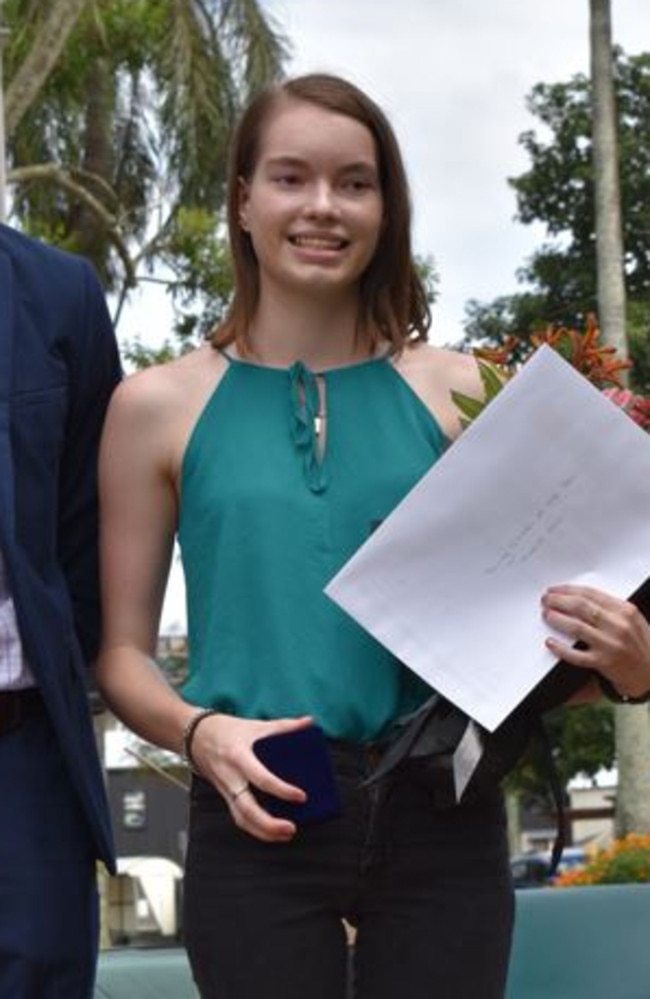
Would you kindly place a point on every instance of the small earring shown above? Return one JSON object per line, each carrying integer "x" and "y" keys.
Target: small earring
{"x": 243, "y": 223}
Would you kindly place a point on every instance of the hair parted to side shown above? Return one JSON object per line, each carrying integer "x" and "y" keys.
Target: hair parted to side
{"x": 393, "y": 302}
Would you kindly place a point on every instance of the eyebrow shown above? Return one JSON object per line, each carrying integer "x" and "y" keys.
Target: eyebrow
{"x": 361, "y": 166}
{"x": 283, "y": 162}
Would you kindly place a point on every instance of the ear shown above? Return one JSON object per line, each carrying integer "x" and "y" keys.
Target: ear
{"x": 243, "y": 194}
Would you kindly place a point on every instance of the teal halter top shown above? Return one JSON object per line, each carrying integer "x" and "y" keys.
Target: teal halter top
{"x": 267, "y": 520}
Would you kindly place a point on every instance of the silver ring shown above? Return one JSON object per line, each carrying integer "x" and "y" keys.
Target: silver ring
{"x": 240, "y": 790}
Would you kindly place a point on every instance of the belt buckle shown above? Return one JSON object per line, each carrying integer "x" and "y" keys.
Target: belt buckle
{"x": 10, "y": 713}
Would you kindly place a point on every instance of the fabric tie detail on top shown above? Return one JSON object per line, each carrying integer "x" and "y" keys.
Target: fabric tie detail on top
{"x": 305, "y": 411}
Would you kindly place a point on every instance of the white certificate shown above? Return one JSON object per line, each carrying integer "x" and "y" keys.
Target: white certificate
{"x": 551, "y": 484}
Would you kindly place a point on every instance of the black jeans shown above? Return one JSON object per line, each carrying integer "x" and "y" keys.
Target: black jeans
{"x": 428, "y": 890}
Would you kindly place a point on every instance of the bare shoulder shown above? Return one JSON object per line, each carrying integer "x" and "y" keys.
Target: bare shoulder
{"x": 159, "y": 406}
{"x": 434, "y": 373}
{"x": 165, "y": 390}
{"x": 451, "y": 368}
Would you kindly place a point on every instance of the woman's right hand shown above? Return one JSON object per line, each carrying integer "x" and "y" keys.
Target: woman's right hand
{"x": 222, "y": 751}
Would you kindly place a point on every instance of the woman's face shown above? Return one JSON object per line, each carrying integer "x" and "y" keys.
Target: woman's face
{"x": 313, "y": 207}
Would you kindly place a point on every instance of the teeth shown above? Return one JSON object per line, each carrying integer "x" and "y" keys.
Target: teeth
{"x": 318, "y": 242}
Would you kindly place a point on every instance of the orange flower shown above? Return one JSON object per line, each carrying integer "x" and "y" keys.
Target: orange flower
{"x": 626, "y": 860}
{"x": 599, "y": 363}
{"x": 499, "y": 355}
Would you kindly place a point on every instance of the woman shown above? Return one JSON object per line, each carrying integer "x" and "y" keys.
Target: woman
{"x": 274, "y": 450}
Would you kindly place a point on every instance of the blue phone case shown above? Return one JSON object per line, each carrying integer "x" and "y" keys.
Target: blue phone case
{"x": 300, "y": 758}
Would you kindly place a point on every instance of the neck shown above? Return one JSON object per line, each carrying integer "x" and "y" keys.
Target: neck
{"x": 321, "y": 333}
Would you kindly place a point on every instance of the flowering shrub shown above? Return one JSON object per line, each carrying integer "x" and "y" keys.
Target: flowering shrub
{"x": 599, "y": 363}
{"x": 581, "y": 348}
{"x": 626, "y": 860}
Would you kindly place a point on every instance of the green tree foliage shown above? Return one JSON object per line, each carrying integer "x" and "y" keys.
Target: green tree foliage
{"x": 558, "y": 191}
{"x": 583, "y": 743}
{"x": 119, "y": 150}
{"x": 195, "y": 258}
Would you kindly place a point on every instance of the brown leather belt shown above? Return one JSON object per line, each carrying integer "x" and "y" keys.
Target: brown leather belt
{"x": 16, "y": 706}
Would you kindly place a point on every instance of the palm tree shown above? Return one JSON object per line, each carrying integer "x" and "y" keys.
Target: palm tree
{"x": 117, "y": 125}
{"x": 632, "y": 723}
{"x": 56, "y": 22}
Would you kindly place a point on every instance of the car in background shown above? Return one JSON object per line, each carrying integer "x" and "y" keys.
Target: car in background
{"x": 532, "y": 870}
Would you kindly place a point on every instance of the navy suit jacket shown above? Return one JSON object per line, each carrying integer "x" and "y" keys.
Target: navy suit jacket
{"x": 58, "y": 367}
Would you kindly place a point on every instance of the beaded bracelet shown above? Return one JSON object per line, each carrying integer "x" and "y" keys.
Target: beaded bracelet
{"x": 612, "y": 694}
{"x": 188, "y": 737}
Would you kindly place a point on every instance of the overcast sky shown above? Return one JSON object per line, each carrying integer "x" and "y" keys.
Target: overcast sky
{"x": 453, "y": 76}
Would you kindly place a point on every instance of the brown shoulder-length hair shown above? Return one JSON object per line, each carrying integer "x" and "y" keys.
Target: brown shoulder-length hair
{"x": 393, "y": 301}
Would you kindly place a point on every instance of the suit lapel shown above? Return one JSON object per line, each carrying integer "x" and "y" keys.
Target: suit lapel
{"x": 6, "y": 372}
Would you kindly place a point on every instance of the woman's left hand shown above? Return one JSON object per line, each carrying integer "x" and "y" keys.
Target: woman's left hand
{"x": 615, "y": 633}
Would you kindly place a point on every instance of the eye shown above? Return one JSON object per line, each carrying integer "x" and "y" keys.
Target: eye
{"x": 358, "y": 185}
{"x": 286, "y": 180}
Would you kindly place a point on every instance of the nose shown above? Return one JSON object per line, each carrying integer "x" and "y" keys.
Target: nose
{"x": 322, "y": 199}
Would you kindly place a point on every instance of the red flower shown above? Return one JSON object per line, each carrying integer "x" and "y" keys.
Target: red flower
{"x": 636, "y": 406}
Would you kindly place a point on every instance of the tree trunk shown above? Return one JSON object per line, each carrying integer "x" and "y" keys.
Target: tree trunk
{"x": 513, "y": 812}
{"x": 632, "y": 723}
{"x": 91, "y": 238}
{"x": 633, "y": 761}
{"x": 4, "y": 35}
{"x": 609, "y": 238}
{"x": 40, "y": 60}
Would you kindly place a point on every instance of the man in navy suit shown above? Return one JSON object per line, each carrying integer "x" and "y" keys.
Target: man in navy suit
{"x": 58, "y": 367}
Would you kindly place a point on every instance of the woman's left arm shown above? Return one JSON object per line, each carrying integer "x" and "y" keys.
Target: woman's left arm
{"x": 613, "y": 638}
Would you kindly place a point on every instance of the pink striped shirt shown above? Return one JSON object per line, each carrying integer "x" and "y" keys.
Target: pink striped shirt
{"x": 14, "y": 669}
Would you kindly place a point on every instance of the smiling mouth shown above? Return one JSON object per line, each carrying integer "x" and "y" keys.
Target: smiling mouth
{"x": 318, "y": 242}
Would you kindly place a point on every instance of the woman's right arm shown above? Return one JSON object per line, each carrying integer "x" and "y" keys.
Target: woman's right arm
{"x": 138, "y": 521}
{"x": 140, "y": 457}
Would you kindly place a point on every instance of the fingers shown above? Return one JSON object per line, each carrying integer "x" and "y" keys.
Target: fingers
{"x": 580, "y": 614}
{"x": 585, "y": 614}
{"x": 612, "y": 635}
{"x": 233, "y": 795}
{"x": 265, "y": 780}
{"x": 251, "y": 817}
{"x": 223, "y": 750}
